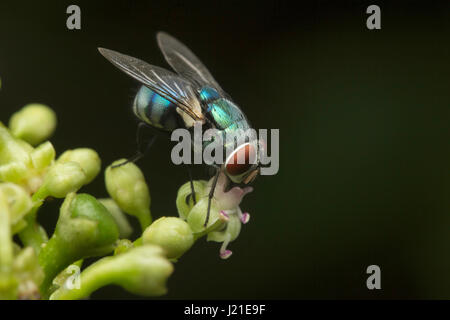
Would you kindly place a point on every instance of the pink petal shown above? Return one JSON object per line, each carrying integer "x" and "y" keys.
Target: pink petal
{"x": 226, "y": 254}
{"x": 224, "y": 216}
{"x": 245, "y": 217}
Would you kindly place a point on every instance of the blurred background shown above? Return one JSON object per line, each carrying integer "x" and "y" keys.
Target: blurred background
{"x": 364, "y": 133}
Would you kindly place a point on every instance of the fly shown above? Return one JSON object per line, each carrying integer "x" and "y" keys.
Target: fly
{"x": 170, "y": 100}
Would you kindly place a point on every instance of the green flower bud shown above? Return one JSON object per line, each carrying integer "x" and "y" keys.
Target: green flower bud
{"x": 170, "y": 233}
{"x": 86, "y": 211}
{"x": 33, "y": 123}
{"x": 43, "y": 155}
{"x": 185, "y": 201}
{"x": 21, "y": 164}
{"x": 125, "y": 228}
{"x": 87, "y": 158}
{"x": 224, "y": 224}
{"x": 127, "y": 186}
{"x": 61, "y": 179}
{"x": 84, "y": 229}
{"x": 142, "y": 270}
{"x": 13, "y": 172}
{"x": 11, "y": 150}
{"x": 197, "y": 216}
{"x": 18, "y": 200}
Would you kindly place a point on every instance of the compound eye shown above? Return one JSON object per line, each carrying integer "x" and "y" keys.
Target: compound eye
{"x": 241, "y": 160}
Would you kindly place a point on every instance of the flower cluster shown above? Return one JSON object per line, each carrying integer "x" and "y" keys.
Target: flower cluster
{"x": 226, "y": 217}
{"x": 41, "y": 265}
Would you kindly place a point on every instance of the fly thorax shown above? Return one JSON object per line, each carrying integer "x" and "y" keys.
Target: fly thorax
{"x": 208, "y": 94}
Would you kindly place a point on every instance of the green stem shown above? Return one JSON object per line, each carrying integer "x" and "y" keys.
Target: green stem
{"x": 137, "y": 242}
{"x": 33, "y": 234}
{"x": 53, "y": 258}
{"x": 145, "y": 219}
{"x": 97, "y": 275}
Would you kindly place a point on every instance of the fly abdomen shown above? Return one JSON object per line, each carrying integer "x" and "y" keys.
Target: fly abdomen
{"x": 155, "y": 110}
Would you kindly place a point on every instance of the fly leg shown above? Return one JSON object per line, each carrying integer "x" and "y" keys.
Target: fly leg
{"x": 192, "y": 194}
{"x": 139, "y": 141}
{"x": 211, "y": 194}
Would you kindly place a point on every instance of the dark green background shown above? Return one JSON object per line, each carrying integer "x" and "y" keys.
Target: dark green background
{"x": 364, "y": 130}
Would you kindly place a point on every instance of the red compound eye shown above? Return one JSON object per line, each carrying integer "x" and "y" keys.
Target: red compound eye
{"x": 241, "y": 160}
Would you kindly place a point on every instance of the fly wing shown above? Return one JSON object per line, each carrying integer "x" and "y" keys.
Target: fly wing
{"x": 184, "y": 61}
{"x": 167, "y": 84}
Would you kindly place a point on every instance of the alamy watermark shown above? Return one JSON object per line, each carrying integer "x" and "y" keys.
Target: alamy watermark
{"x": 374, "y": 280}
{"x": 73, "y": 281}
{"x": 219, "y": 147}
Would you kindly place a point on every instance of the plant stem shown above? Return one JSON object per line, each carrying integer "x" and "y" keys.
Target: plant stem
{"x": 53, "y": 258}
{"x": 145, "y": 219}
{"x": 92, "y": 278}
{"x": 33, "y": 234}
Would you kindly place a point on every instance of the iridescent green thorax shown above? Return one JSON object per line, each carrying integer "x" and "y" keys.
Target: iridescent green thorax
{"x": 225, "y": 114}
